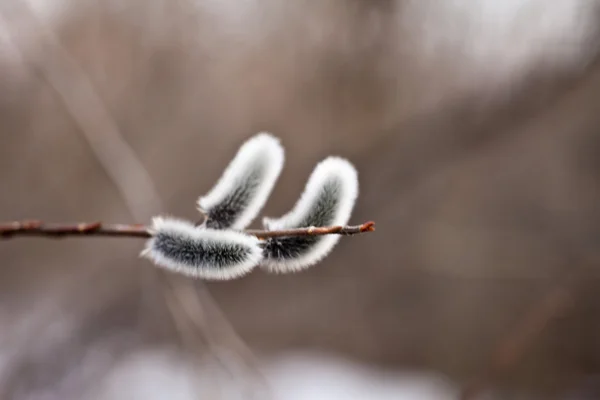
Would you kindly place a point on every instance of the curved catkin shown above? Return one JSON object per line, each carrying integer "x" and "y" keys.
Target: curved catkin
{"x": 328, "y": 199}
{"x": 245, "y": 186}
{"x": 203, "y": 253}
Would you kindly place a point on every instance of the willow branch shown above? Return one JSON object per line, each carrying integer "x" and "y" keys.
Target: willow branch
{"x": 11, "y": 229}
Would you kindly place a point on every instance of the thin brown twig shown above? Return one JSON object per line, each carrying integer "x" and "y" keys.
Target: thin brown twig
{"x": 11, "y": 229}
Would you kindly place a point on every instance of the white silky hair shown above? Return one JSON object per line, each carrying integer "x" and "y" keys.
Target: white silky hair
{"x": 218, "y": 262}
{"x": 262, "y": 151}
{"x": 332, "y": 170}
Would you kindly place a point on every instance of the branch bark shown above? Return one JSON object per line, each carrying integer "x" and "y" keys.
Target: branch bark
{"x": 12, "y": 229}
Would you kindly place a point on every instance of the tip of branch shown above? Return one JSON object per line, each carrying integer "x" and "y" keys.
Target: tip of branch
{"x": 368, "y": 227}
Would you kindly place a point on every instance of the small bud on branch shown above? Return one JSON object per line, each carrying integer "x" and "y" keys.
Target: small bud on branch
{"x": 328, "y": 199}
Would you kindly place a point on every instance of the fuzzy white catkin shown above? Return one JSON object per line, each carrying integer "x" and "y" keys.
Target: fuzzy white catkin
{"x": 328, "y": 199}
{"x": 210, "y": 254}
{"x": 246, "y": 184}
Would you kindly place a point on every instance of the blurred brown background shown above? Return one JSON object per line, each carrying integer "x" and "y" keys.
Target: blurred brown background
{"x": 474, "y": 127}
